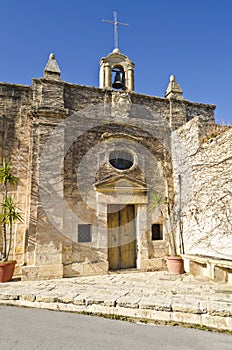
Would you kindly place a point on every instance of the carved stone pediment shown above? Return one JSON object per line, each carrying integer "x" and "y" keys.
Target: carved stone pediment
{"x": 121, "y": 184}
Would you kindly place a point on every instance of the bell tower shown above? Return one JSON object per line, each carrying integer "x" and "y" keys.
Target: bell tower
{"x": 117, "y": 72}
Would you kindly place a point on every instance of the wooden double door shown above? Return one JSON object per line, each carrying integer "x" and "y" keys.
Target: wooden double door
{"x": 121, "y": 236}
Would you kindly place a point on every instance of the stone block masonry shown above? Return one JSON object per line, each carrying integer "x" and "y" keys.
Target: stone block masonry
{"x": 205, "y": 168}
{"x": 60, "y": 137}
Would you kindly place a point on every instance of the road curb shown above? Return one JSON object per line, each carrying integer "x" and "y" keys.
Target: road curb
{"x": 211, "y": 318}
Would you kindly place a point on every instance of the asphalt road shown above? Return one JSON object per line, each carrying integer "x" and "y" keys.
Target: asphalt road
{"x": 48, "y": 330}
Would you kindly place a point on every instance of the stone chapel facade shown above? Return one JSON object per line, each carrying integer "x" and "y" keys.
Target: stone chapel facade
{"x": 89, "y": 161}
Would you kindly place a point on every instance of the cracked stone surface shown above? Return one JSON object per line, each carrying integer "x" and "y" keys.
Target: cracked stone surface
{"x": 151, "y": 295}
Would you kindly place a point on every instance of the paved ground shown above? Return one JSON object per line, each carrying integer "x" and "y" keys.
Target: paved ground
{"x": 143, "y": 295}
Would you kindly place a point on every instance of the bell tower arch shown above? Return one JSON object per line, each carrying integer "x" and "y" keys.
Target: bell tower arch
{"x": 117, "y": 72}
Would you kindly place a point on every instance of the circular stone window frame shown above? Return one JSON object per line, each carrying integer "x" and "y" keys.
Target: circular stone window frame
{"x": 128, "y": 151}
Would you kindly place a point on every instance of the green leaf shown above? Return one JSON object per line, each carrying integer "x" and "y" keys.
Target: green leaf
{"x": 5, "y": 174}
{"x": 156, "y": 200}
{"x": 10, "y": 212}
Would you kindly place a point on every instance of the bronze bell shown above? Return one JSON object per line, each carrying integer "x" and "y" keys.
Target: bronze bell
{"x": 118, "y": 82}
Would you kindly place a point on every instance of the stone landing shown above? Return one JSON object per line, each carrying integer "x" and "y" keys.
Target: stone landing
{"x": 149, "y": 296}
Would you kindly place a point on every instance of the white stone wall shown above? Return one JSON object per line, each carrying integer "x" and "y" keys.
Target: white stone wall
{"x": 204, "y": 173}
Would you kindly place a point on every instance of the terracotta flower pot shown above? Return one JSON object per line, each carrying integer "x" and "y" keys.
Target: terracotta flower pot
{"x": 175, "y": 264}
{"x": 7, "y": 270}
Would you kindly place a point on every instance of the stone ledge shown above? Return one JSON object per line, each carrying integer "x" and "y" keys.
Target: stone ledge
{"x": 217, "y": 269}
{"x": 213, "y": 317}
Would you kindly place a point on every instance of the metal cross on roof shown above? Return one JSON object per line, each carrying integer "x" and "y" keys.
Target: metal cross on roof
{"x": 116, "y": 24}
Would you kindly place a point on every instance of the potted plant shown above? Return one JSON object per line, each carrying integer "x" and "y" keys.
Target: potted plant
{"x": 9, "y": 214}
{"x": 164, "y": 204}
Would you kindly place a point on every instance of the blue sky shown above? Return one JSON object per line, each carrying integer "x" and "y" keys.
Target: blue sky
{"x": 190, "y": 39}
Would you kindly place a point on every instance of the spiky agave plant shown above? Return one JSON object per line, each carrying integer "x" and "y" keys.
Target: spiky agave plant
{"x": 9, "y": 210}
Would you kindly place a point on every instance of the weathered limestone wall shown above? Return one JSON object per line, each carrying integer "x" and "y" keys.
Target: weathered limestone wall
{"x": 205, "y": 170}
{"x": 88, "y": 116}
{"x": 15, "y": 144}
